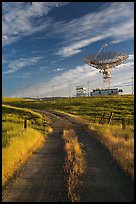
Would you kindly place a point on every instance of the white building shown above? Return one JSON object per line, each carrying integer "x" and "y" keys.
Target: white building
{"x": 80, "y": 91}
{"x": 103, "y": 92}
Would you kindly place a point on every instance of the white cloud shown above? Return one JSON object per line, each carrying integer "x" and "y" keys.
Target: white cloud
{"x": 58, "y": 69}
{"x": 18, "y": 64}
{"x": 22, "y": 76}
{"x": 115, "y": 21}
{"x": 80, "y": 75}
{"x": 17, "y": 19}
{"x": 76, "y": 47}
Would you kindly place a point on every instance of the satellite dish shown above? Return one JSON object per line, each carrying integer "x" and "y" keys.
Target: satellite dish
{"x": 105, "y": 61}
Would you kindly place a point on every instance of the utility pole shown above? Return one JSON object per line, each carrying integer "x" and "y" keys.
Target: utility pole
{"x": 69, "y": 88}
{"x": 37, "y": 92}
{"x": 53, "y": 91}
{"x": 88, "y": 87}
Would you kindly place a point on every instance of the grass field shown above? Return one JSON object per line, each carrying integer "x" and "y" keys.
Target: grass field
{"x": 120, "y": 142}
{"x": 19, "y": 143}
{"x": 91, "y": 108}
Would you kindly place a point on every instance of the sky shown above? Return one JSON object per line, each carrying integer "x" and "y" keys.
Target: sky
{"x": 44, "y": 43}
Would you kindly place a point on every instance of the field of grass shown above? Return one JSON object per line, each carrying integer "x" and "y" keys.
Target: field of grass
{"x": 18, "y": 143}
{"x": 119, "y": 142}
{"x": 92, "y": 108}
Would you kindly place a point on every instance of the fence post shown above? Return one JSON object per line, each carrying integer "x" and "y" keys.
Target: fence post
{"x": 128, "y": 121}
{"x": 102, "y": 118}
{"x": 25, "y": 123}
{"x": 44, "y": 121}
{"x": 123, "y": 124}
{"x": 110, "y": 117}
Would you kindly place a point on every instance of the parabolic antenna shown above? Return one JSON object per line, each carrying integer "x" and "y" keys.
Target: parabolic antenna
{"x": 105, "y": 61}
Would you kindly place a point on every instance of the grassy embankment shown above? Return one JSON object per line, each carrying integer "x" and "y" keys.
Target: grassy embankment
{"x": 120, "y": 142}
{"x": 18, "y": 143}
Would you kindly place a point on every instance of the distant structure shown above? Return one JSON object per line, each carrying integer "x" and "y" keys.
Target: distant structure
{"x": 103, "y": 92}
{"x": 80, "y": 91}
{"x": 104, "y": 62}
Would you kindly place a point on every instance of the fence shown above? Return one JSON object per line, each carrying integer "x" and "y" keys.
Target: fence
{"x": 103, "y": 119}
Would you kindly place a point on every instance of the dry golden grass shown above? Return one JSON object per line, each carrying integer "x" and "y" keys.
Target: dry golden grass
{"x": 120, "y": 143}
{"x": 74, "y": 164}
{"x": 18, "y": 143}
{"x": 18, "y": 151}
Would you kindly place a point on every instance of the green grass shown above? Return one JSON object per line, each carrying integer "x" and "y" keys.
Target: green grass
{"x": 16, "y": 115}
{"x": 19, "y": 143}
{"x": 8, "y": 100}
{"x": 91, "y": 108}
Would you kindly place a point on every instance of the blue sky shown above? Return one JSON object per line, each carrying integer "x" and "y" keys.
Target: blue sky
{"x": 43, "y": 44}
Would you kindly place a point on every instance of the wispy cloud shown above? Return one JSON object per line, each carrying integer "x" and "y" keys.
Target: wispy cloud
{"x": 75, "y": 48}
{"x": 80, "y": 75}
{"x": 18, "y": 19}
{"x": 22, "y": 76}
{"x": 115, "y": 20}
{"x": 18, "y": 64}
{"x": 58, "y": 69}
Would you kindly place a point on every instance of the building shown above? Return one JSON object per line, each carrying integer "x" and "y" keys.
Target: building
{"x": 80, "y": 91}
{"x": 103, "y": 92}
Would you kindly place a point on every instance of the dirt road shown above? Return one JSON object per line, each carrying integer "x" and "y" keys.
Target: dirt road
{"x": 42, "y": 179}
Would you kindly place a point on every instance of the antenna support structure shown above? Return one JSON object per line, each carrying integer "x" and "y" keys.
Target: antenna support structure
{"x": 104, "y": 62}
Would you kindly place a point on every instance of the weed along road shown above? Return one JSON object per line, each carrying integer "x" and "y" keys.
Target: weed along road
{"x": 71, "y": 166}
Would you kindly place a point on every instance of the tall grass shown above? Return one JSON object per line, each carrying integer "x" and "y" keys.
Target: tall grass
{"x": 74, "y": 164}
{"x": 20, "y": 148}
{"x": 17, "y": 115}
{"x": 120, "y": 143}
{"x": 18, "y": 143}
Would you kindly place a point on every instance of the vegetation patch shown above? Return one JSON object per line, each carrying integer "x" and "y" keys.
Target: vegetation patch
{"x": 91, "y": 107}
{"x": 19, "y": 149}
{"x": 18, "y": 143}
{"x": 90, "y": 110}
{"x": 120, "y": 143}
{"x": 74, "y": 164}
